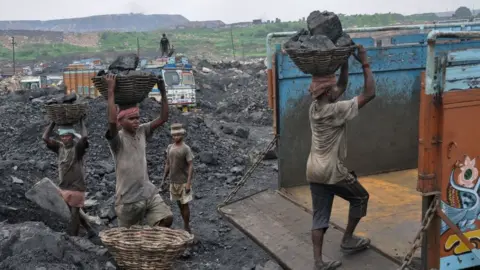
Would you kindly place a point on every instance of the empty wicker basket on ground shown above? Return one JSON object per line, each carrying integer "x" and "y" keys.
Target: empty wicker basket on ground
{"x": 145, "y": 248}
{"x": 130, "y": 89}
{"x": 66, "y": 114}
{"x": 320, "y": 63}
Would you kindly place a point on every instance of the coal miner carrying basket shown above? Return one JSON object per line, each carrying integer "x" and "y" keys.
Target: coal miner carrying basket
{"x": 132, "y": 86}
{"x": 323, "y": 48}
{"x": 144, "y": 247}
{"x": 66, "y": 111}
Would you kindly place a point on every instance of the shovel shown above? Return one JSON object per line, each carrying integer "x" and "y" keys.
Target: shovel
{"x": 45, "y": 194}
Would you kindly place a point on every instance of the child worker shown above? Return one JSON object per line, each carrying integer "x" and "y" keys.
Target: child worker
{"x": 179, "y": 165}
{"x": 71, "y": 171}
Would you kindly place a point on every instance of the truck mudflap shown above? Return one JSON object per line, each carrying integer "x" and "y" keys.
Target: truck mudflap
{"x": 282, "y": 228}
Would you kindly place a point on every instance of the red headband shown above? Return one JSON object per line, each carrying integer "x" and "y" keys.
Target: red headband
{"x": 127, "y": 113}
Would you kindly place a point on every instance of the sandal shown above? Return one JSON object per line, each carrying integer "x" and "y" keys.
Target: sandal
{"x": 331, "y": 265}
{"x": 356, "y": 244}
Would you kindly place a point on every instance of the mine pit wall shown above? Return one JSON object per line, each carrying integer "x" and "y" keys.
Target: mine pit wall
{"x": 382, "y": 138}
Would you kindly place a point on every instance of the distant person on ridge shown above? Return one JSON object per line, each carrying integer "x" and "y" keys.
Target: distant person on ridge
{"x": 136, "y": 197}
{"x": 326, "y": 172}
{"x": 71, "y": 171}
{"x": 164, "y": 45}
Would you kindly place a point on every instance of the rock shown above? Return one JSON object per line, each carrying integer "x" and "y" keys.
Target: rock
{"x": 344, "y": 41}
{"x": 231, "y": 180}
{"x": 108, "y": 209}
{"x": 256, "y": 116}
{"x": 106, "y": 167}
{"x": 239, "y": 161}
{"x": 227, "y": 130}
{"x": 46, "y": 195}
{"x": 325, "y": 23}
{"x": 271, "y": 154}
{"x": 110, "y": 266}
{"x": 242, "y": 132}
{"x": 42, "y": 165}
{"x": 90, "y": 203}
{"x": 237, "y": 170}
{"x": 4, "y": 164}
{"x": 250, "y": 266}
{"x": 16, "y": 180}
{"x": 208, "y": 158}
{"x": 45, "y": 249}
{"x": 275, "y": 167}
{"x": 206, "y": 70}
{"x": 125, "y": 62}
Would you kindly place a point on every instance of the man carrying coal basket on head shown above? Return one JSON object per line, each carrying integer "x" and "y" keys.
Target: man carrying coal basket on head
{"x": 326, "y": 172}
{"x": 136, "y": 197}
{"x": 71, "y": 171}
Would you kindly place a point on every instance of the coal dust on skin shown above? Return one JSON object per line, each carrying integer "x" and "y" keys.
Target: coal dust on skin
{"x": 221, "y": 246}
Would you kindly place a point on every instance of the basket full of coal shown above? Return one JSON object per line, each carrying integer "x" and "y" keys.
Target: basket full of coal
{"x": 132, "y": 86}
{"x": 323, "y": 48}
{"x": 67, "y": 110}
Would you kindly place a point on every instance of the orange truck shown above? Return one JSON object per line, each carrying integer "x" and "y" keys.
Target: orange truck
{"x": 415, "y": 149}
{"x": 79, "y": 80}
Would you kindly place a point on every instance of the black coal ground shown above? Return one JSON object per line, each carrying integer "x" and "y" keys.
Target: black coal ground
{"x": 24, "y": 156}
{"x": 234, "y": 91}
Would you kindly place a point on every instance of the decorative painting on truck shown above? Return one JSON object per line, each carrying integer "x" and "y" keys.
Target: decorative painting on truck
{"x": 462, "y": 207}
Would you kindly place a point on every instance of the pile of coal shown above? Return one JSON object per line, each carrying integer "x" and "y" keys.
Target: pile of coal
{"x": 124, "y": 65}
{"x": 68, "y": 99}
{"x": 324, "y": 33}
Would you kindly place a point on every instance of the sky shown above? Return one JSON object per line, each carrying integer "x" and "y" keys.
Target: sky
{"x": 228, "y": 11}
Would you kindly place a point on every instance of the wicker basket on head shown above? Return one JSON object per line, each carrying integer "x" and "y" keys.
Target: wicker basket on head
{"x": 66, "y": 114}
{"x": 319, "y": 63}
{"x": 130, "y": 89}
{"x": 145, "y": 248}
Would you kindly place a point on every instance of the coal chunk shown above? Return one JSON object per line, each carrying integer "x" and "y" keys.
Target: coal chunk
{"x": 69, "y": 99}
{"x": 124, "y": 63}
{"x": 344, "y": 41}
{"x": 325, "y": 23}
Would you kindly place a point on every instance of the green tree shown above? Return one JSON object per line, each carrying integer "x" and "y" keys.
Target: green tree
{"x": 463, "y": 12}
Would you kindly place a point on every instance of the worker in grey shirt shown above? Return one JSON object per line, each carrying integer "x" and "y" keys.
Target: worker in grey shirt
{"x": 326, "y": 171}
{"x": 136, "y": 197}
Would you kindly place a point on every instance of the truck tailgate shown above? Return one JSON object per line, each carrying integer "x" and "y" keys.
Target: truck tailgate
{"x": 283, "y": 229}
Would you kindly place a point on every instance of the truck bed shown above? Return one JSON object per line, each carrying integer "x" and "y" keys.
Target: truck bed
{"x": 283, "y": 229}
{"x": 394, "y": 212}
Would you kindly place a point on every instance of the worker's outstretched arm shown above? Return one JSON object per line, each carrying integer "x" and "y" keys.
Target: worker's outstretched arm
{"x": 341, "y": 83}
{"x": 47, "y": 134}
{"x": 112, "y": 108}
{"x": 369, "y": 90}
{"x": 159, "y": 121}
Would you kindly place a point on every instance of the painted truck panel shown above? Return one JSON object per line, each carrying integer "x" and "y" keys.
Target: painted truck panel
{"x": 80, "y": 81}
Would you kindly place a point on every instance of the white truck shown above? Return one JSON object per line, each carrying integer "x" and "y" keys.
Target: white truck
{"x": 179, "y": 81}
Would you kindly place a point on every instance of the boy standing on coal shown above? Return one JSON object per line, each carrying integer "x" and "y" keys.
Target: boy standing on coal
{"x": 179, "y": 165}
{"x": 326, "y": 172}
{"x": 71, "y": 171}
{"x": 136, "y": 197}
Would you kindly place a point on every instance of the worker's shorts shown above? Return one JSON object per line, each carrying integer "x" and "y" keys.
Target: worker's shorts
{"x": 322, "y": 200}
{"x": 152, "y": 210}
{"x": 179, "y": 194}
